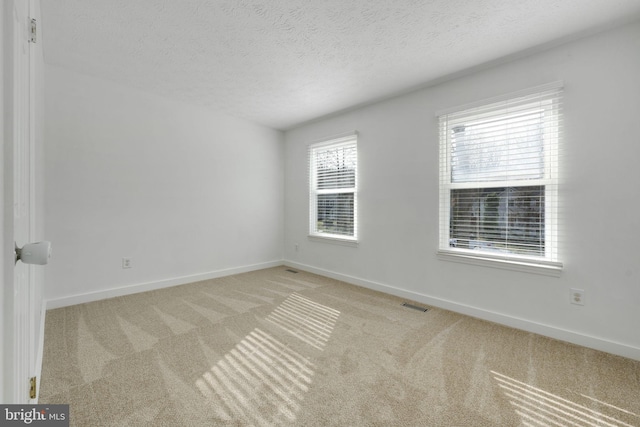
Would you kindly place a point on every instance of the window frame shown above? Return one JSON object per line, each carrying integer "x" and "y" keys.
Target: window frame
{"x": 346, "y": 140}
{"x": 548, "y": 264}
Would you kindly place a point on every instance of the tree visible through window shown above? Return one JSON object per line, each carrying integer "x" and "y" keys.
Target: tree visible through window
{"x": 502, "y": 219}
{"x": 333, "y": 176}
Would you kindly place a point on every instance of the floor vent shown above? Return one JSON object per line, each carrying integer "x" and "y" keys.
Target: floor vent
{"x": 291, "y": 271}
{"x": 415, "y": 307}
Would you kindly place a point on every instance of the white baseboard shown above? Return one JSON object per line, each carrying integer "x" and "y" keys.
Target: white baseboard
{"x": 150, "y": 286}
{"x": 511, "y": 321}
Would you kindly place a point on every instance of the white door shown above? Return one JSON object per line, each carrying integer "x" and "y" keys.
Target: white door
{"x": 19, "y": 339}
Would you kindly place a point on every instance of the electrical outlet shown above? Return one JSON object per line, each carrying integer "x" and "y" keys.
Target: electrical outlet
{"x": 126, "y": 262}
{"x": 577, "y": 296}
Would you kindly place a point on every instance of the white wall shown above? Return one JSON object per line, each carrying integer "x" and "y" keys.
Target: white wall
{"x": 398, "y": 201}
{"x": 182, "y": 191}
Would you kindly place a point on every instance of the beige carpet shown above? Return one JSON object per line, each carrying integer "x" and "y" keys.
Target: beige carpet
{"x": 275, "y": 348}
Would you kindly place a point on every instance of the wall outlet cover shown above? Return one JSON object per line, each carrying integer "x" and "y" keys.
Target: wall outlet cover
{"x": 577, "y": 296}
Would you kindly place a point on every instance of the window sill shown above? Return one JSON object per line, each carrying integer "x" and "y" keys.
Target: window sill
{"x": 546, "y": 268}
{"x": 334, "y": 240}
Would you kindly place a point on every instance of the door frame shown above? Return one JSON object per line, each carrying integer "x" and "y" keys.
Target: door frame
{"x": 21, "y": 331}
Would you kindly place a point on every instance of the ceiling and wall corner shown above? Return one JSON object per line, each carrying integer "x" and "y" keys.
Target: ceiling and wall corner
{"x": 283, "y": 63}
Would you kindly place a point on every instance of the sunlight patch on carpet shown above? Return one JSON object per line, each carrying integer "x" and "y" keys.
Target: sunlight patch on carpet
{"x": 538, "y": 407}
{"x": 305, "y": 319}
{"x": 262, "y": 381}
{"x": 600, "y": 402}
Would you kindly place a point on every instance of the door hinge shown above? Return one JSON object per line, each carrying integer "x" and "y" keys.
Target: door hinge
{"x": 33, "y": 31}
{"x": 32, "y": 388}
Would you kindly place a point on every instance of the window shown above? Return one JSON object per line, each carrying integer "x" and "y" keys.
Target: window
{"x": 499, "y": 179}
{"x": 333, "y": 188}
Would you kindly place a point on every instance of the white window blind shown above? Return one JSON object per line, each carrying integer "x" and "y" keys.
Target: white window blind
{"x": 333, "y": 188}
{"x": 499, "y": 177}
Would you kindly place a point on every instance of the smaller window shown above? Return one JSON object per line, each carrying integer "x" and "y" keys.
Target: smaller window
{"x": 333, "y": 188}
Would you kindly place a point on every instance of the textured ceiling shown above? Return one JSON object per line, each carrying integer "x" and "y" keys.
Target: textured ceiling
{"x": 281, "y": 63}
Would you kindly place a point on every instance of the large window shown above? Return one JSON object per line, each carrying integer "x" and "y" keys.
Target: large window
{"x": 499, "y": 178}
{"x": 333, "y": 188}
